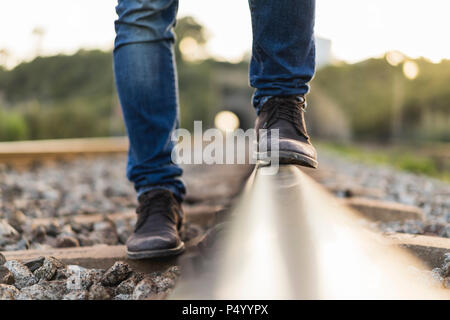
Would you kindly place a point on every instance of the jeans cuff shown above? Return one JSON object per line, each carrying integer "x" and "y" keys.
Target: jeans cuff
{"x": 259, "y": 102}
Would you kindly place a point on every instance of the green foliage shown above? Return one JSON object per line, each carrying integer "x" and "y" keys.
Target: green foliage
{"x": 68, "y": 96}
{"x": 12, "y": 127}
{"x": 48, "y": 79}
{"x": 196, "y": 90}
{"x": 415, "y": 164}
{"x": 197, "y": 94}
{"x": 75, "y": 117}
{"x": 362, "y": 90}
{"x": 366, "y": 91}
{"x": 188, "y": 27}
{"x": 403, "y": 158}
{"x": 74, "y": 96}
{"x": 60, "y": 97}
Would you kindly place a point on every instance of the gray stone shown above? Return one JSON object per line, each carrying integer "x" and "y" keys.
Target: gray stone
{"x": 45, "y": 290}
{"x": 446, "y": 258}
{"x": 6, "y": 277}
{"x": 76, "y": 227}
{"x": 164, "y": 282}
{"x": 39, "y": 233}
{"x": 124, "y": 233}
{"x": 62, "y": 274}
{"x": 67, "y": 230}
{"x": 116, "y": 274}
{"x": 8, "y": 292}
{"x": 17, "y": 219}
{"x": 85, "y": 240}
{"x": 175, "y": 270}
{"x": 53, "y": 229}
{"x": 96, "y": 275}
{"x": 40, "y": 246}
{"x": 436, "y": 277}
{"x": 22, "y": 275}
{"x": 446, "y": 283}
{"x": 446, "y": 231}
{"x": 123, "y": 297}
{"x": 6, "y": 230}
{"x": 23, "y": 296}
{"x": 105, "y": 232}
{"x": 59, "y": 264}
{"x": 67, "y": 242}
{"x": 412, "y": 226}
{"x": 127, "y": 286}
{"x": 99, "y": 292}
{"x": 145, "y": 289}
{"x": 77, "y": 277}
{"x": 22, "y": 244}
{"x": 434, "y": 227}
{"x": 190, "y": 231}
{"x": 446, "y": 269}
{"x": 121, "y": 223}
{"x": 82, "y": 279}
{"x": 2, "y": 259}
{"x": 76, "y": 295}
{"x": 48, "y": 269}
{"x": 34, "y": 264}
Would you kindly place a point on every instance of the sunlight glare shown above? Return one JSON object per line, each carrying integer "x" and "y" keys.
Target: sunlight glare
{"x": 226, "y": 121}
{"x": 410, "y": 70}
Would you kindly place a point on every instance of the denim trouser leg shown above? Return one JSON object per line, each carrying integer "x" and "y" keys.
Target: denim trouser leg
{"x": 283, "y": 57}
{"x": 147, "y": 86}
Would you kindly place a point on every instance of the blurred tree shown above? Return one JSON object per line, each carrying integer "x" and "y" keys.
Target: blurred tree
{"x": 73, "y": 95}
{"x": 188, "y": 28}
{"x": 197, "y": 90}
{"x": 12, "y": 127}
{"x": 4, "y": 57}
{"x": 48, "y": 79}
{"x": 366, "y": 92}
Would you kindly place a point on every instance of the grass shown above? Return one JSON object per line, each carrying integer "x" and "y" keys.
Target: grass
{"x": 401, "y": 158}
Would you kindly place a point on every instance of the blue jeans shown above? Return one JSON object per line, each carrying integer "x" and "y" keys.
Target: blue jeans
{"x": 282, "y": 63}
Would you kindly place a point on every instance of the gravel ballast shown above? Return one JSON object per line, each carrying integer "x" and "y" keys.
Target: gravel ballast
{"x": 346, "y": 178}
{"x": 54, "y": 280}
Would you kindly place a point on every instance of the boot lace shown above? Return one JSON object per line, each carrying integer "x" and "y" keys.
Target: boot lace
{"x": 156, "y": 203}
{"x": 289, "y": 109}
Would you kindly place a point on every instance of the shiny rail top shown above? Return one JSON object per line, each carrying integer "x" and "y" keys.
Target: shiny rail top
{"x": 61, "y": 146}
{"x": 290, "y": 239}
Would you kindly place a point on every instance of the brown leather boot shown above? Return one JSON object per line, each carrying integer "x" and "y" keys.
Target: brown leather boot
{"x": 160, "y": 218}
{"x": 285, "y": 113}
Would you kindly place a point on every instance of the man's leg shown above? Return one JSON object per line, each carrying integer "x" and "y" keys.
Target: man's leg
{"x": 147, "y": 86}
{"x": 283, "y": 59}
{"x": 282, "y": 64}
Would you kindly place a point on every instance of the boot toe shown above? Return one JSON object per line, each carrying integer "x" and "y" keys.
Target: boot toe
{"x": 300, "y": 147}
{"x": 293, "y": 151}
{"x": 157, "y": 242}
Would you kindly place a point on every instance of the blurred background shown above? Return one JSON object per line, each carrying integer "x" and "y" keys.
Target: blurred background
{"x": 381, "y": 93}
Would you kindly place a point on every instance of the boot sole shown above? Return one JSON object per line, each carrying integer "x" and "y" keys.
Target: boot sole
{"x": 289, "y": 157}
{"x": 147, "y": 254}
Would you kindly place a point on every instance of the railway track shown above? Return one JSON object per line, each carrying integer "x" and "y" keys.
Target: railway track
{"x": 287, "y": 232}
{"x": 27, "y": 152}
{"x": 298, "y": 242}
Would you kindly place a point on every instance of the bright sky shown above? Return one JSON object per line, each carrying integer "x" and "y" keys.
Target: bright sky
{"x": 358, "y": 29}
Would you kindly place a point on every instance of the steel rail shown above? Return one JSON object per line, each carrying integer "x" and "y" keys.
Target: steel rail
{"x": 62, "y": 147}
{"x": 290, "y": 239}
